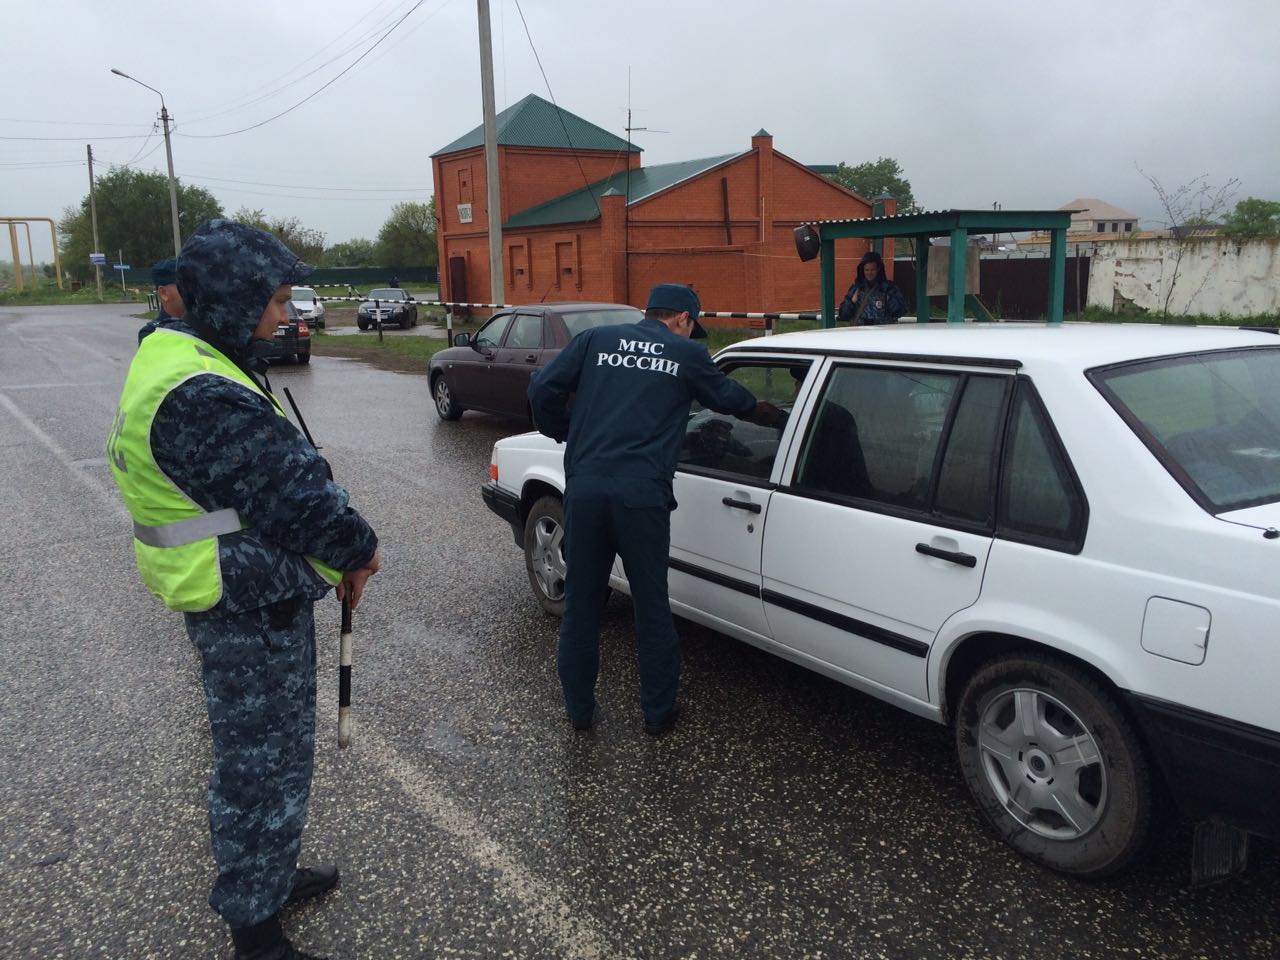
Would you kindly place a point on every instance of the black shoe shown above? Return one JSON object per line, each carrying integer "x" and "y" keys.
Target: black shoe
{"x": 310, "y": 882}
{"x": 266, "y": 941}
{"x": 663, "y": 726}
{"x": 582, "y": 725}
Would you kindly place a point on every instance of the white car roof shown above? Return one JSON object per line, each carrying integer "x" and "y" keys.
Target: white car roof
{"x": 1074, "y": 345}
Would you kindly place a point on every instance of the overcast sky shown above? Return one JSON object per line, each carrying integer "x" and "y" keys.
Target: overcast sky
{"x": 1029, "y": 104}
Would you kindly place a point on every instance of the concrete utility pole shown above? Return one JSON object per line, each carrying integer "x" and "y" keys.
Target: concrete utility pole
{"x": 93, "y": 215}
{"x": 168, "y": 152}
{"x": 497, "y": 284}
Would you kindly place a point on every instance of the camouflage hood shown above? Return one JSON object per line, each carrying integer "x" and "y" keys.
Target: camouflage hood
{"x": 227, "y": 273}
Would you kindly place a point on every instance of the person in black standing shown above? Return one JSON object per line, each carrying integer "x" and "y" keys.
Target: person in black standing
{"x": 634, "y": 384}
{"x": 872, "y": 299}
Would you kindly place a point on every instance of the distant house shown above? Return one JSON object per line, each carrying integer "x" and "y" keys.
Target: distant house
{"x": 582, "y": 219}
{"x": 1092, "y": 216}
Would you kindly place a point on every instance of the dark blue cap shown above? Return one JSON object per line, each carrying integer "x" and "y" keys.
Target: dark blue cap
{"x": 682, "y": 299}
{"x": 164, "y": 272}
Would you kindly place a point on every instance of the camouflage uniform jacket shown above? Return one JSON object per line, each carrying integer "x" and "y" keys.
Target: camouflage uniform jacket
{"x": 224, "y": 445}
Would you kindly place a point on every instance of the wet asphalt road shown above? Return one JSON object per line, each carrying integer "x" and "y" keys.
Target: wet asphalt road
{"x": 787, "y": 817}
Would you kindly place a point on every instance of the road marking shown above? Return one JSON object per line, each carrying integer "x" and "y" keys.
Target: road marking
{"x": 108, "y": 497}
{"x": 59, "y": 386}
{"x": 576, "y": 936}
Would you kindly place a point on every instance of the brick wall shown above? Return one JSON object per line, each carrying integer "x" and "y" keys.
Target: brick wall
{"x": 743, "y": 261}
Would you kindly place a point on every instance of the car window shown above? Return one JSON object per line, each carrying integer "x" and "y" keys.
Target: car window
{"x": 388, "y": 293}
{"x": 722, "y": 444}
{"x": 525, "y": 332}
{"x": 966, "y": 480}
{"x": 581, "y": 320}
{"x": 1213, "y": 419}
{"x": 875, "y": 434}
{"x": 490, "y": 335}
{"x": 1040, "y": 500}
{"x": 303, "y": 293}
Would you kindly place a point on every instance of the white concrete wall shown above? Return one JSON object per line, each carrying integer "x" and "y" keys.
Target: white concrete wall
{"x": 1215, "y": 276}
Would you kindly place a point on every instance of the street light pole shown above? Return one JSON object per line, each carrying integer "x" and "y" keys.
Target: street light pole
{"x": 168, "y": 152}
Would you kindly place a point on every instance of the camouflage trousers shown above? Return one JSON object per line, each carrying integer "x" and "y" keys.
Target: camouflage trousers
{"x": 260, "y": 687}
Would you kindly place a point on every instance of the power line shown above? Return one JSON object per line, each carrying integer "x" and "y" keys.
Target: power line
{"x": 82, "y": 139}
{"x": 303, "y": 186}
{"x": 559, "y": 112}
{"x": 230, "y": 133}
{"x": 242, "y": 104}
{"x": 70, "y": 123}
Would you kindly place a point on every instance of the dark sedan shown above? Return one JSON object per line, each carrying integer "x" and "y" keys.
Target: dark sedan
{"x": 490, "y": 369}
{"x": 390, "y": 305}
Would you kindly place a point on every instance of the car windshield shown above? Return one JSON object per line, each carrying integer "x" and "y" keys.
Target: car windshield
{"x": 303, "y": 293}
{"x": 586, "y": 319}
{"x": 1212, "y": 418}
{"x": 387, "y": 293}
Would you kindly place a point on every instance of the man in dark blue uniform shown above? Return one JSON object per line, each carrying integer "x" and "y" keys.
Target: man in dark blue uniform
{"x": 634, "y": 384}
{"x": 164, "y": 274}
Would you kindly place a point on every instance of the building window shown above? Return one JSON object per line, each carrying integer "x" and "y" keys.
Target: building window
{"x": 1115, "y": 228}
{"x": 1101, "y": 226}
{"x": 1128, "y": 227}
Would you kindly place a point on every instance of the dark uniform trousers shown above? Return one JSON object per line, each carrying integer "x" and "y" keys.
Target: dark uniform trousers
{"x": 605, "y": 516}
{"x": 260, "y": 687}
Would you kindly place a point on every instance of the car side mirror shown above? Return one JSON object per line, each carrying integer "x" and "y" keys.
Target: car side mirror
{"x": 462, "y": 339}
{"x": 315, "y": 300}
{"x": 408, "y": 296}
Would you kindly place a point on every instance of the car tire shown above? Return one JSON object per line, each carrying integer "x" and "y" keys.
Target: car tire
{"x": 1055, "y": 765}
{"x": 406, "y": 323}
{"x": 544, "y": 554}
{"x": 446, "y": 405}
{"x": 362, "y": 324}
{"x": 304, "y": 357}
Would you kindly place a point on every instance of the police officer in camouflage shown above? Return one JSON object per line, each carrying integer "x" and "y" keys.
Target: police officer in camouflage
{"x": 238, "y": 526}
{"x": 634, "y": 385}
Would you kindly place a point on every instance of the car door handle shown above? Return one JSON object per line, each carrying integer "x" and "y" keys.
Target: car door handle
{"x": 531, "y": 358}
{"x": 951, "y": 556}
{"x": 741, "y": 504}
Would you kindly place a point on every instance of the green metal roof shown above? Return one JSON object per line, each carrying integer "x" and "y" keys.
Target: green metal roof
{"x": 583, "y": 205}
{"x": 936, "y": 223}
{"x": 533, "y": 122}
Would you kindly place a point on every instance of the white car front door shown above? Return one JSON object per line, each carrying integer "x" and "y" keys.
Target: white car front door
{"x": 723, "y": 484}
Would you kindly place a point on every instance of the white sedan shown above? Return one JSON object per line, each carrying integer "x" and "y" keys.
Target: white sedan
{"x": 307, "y": 303}
{"x": 1061, "y": 541}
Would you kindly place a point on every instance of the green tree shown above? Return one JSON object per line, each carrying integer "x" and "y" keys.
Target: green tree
{"x": 1253, "y": 218}
{"x": 869, "y": 180}
{"x": 351, "y": 253}
{"x": 306, "y": 242}
{"x": 133, "y": 218}
{"x": 408, "y": 238}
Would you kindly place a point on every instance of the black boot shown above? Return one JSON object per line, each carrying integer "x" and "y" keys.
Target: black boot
{"x": 266, "y": 941}
{"x": 310, "y": 882}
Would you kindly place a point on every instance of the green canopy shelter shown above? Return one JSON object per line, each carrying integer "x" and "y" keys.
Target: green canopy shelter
{"x": 821, "y": 237}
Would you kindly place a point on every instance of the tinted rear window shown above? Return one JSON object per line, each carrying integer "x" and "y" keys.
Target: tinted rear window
{"x": 1212, "y": 418}
{"x": 586, "y": 319}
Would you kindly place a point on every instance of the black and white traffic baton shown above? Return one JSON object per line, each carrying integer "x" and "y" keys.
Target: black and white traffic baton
{"x": 344, "y": 640}
{"x": 344, "y": 678}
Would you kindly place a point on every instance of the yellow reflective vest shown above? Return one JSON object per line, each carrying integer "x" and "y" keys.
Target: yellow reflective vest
{"x": 175, "y": 540}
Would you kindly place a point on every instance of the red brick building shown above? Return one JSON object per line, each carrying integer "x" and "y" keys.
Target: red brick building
{"x": 583, "y": 220}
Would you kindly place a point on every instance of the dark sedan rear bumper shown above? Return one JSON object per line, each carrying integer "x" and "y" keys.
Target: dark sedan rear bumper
{"x": 1216, "y": 768}
{"x": 506, "y": 505}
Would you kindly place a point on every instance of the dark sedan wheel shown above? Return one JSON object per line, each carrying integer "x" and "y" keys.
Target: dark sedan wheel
{"x": 446, "y": 405}
{"x": 1054, "y": 764}
{"x": 304, "y": 357}
{"x": 406, "y": 321}
{"x": 544, "y": 554}
{"x": 362, "y": 323}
